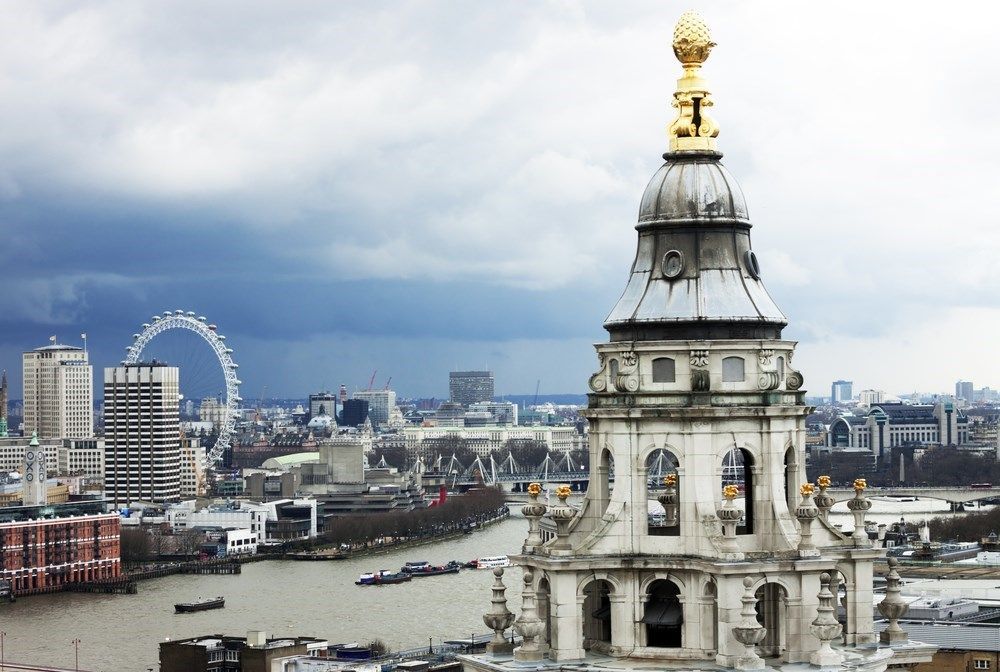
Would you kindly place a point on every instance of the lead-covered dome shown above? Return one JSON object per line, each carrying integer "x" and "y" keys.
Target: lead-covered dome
{"x": 698, "y": 188}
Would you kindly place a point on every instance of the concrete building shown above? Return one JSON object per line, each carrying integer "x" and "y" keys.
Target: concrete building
{"x": 841, "y": 392}
{"x": 73, "y": 542}
{"x": 470, "y": 387}
{"x": 142, "y": 437}
{"x": 81, "y": 457}
{"x": 887, "y": 426}
{"x": 502, "y": 412}
{"x": 695, "y": 372}
{"x": 212, "y": 411}
{"x": 273, "y": 522}
{"x": 222, "y": 653}
{"x": 322, "y": 403}
{"x": 4, "y": 400}
{"x": 192, "y": 460}
{"x": 58, "y": 392}
{"x": 380, "y": 405}
{"x": 964, "y": 391}
{"x": 483, "y": 440}
{"x": 871, "y": 397}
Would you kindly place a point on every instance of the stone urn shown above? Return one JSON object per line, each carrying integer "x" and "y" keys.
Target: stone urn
{"x": 533, "y": 511}
{"x": 499, "y": 617}
{"x": 669, "y": 500}
{"x": 730, "y": 515}
{"x": 823, "y": 501}
{"x": 826, "y": 627}
{"x": 562, "y": 515}
{"x": 529, "y": 625}
{"x": 893, "y": 607}
{"x": 859, "y": 505}
{"x": 749, "y": 632}
{"x": 806, "y": 512}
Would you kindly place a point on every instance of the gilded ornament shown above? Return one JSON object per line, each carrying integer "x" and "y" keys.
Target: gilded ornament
{"x": 730, "y": 492}
{"x": 670, "y": 480}
{"x": 860, "y": 484}
{"x": 534, "y": 489}
{"x": 693, "y": 129}
{"x": 824, "y": 481}
{"x": 562, "y": 492}
{"x": 807, "y": 489}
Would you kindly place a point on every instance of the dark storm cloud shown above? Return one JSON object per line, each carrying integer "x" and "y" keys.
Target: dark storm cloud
{"x": 420, "y": 185}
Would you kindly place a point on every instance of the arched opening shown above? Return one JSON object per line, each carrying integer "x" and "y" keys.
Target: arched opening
{"x": 710, "y": 617}
{"x": 733, "y": 370}
{"x": 597, "y": 615}
{"x": 664, "y": 370}
{"x": 664, "y": 615}
{"x": 543, "y": 601}
{"x": 781, "y": 368}
{"x": 663, "y": 500}
{"x": 604, "y": 481}
{"x": 737, "y": 469}
{"x": 791, "y": 478}
{"x": 772, "y": 601}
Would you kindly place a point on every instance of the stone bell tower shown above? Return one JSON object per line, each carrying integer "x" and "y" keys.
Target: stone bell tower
{"x": 699, "y": 542}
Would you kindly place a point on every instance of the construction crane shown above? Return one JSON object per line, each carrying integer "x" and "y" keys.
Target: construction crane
{"x": 538, "y": 384}
{"x": 387, "y": 384}
{"x": 372, "y": 381}
{"x": 260, "y": 401}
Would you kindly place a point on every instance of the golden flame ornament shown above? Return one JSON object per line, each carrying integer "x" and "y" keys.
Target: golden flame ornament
{"x": 860, "y": 484}
{"x": 534, "y": 489}
{"x": 824, "y": 481}
{"x": 693, "y": 129}
{"x": 670, "y": 480}
{"x": 730, "y": 492}
{"x": 807, "y": 489}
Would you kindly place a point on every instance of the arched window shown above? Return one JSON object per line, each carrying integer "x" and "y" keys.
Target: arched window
{"x": 710, "y": 617}
{"x": 791, "y": 478}
{"x": 543, "y": 600}
{"x": 664, "y": 370}
{"x": 737, "y": 469}
{"x": 662, "y": 501}
{"x": 664, "y": 615}
{"x": 603, "y": 484}
{"x": 733, "y": 370}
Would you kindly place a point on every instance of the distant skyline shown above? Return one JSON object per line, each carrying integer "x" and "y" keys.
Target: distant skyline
{"x": 418, "y": 187}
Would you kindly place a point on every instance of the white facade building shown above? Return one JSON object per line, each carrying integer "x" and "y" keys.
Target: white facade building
{"x": 82, "y": 456}
{"x": 871, "y": 397}
{"x": 192, "y": 467}
{"x": 58, "y": 392}
{"x": 142, "y": 433}
{"x": 483, "y": 440}
{"x": 252, "y": 516}
{"x": 380, "y": 405}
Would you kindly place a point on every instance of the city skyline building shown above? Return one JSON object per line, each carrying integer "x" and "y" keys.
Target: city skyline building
{"x": 380, "y": 405}
{"x": 142, "y": 433}
{"x": 470, "y": 387}
{"x": 3, "y": 404}
{"x": 841, "y": 391}
{"x": 322, "y": 403}
{"x": 354, "y": 412}
{"x": 58, "y": 392}
{"x": 964, "y": 390}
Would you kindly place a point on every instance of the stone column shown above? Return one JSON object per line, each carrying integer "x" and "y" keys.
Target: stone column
{"x": 567, "y": 617}
{"x": 825, "y": 627}
{"x": 528, "y": 625}
{"x": 859, "y": 506}
{"x": 533, "y": 511}
{"x": 499, "y": 617}
{"x": 749, "y": 632}
{"x": 893, "y": 607}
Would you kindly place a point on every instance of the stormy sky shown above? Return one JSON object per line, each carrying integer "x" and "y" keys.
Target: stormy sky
{"x": 420, "y": 186}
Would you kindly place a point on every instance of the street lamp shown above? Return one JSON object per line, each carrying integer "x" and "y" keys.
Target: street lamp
{"x": 76, "y": 647}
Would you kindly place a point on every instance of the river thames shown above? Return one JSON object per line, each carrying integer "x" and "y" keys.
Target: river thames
{"x": 121, "y": 633}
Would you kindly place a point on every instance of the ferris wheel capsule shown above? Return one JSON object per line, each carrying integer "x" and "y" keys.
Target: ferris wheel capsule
{"x": 145, "y": 325}
{"x": 212, "y": 327}
{"x": 190, "y": 313}
{"x": 202, "y": 318}
{"x": 156, "y": 318}
{"x": 221, "y": 337}
{"x": 178, "y": 312}
{"x": 167, "y": 313}
{"x": 135, "y": 336}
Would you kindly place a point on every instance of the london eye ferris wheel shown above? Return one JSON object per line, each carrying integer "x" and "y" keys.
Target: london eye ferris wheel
{"x": 179, "y": 338}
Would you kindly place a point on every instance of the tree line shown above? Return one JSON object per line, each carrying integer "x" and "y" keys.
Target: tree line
{"x": 457, "y": 512}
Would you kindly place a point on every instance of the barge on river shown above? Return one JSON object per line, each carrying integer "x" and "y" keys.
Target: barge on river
{"x": 200, "y": 605}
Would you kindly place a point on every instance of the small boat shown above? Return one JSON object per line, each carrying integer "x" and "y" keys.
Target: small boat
{"x": 428, "y": 569}
{"x": 491, "y": 562}
{"x": 383, "y": 577}
{"x": 418, "y": 566}
{"x": 200, "y": 605}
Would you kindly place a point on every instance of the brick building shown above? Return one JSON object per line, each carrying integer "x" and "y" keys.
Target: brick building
{"x": 45, "y": 553}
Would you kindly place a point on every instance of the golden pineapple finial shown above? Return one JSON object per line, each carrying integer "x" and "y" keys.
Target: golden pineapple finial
{"x": 693, "y": 129}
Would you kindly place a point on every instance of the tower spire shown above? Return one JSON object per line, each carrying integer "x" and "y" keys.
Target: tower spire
{"x": 693, "y": 129}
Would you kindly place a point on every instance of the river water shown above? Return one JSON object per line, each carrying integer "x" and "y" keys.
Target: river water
{"x": 121, "y": 633}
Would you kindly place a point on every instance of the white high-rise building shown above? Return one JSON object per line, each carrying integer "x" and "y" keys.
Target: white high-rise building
{"x": 58, "y": 392}
{"x": 380, "y": 405}
{"x": 192, "y": 467}
{"x": 142, "y": 436}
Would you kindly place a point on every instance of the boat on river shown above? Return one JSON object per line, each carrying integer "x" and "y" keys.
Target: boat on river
{"x": 423, "y": 568}
{"x": 200, "y": 605}
{"x": 383, "y": 577}
{"x": 490, "y": 562}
